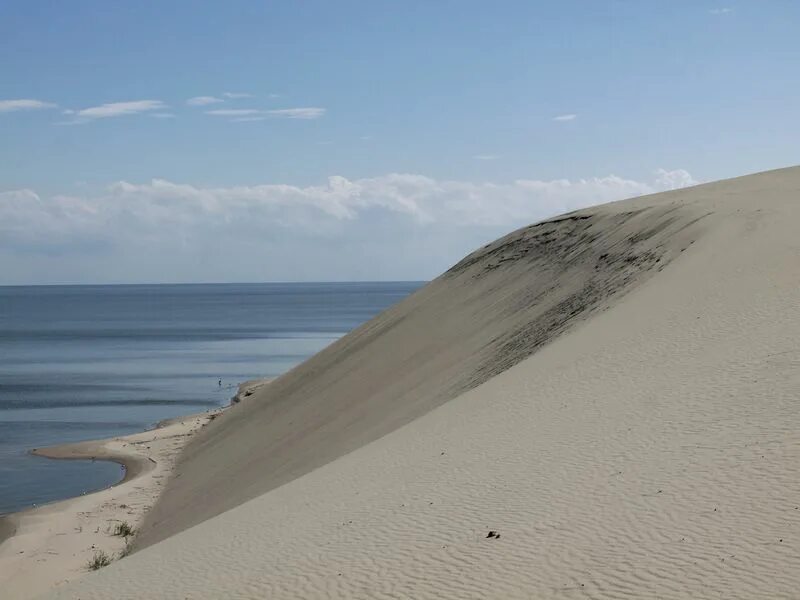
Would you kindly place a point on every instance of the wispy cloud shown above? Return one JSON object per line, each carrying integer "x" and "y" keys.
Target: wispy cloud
{"x": 118, "y": 109}
{"x": 298, "y": 113}
{"x": 284, "y": 113}
{"x": 248, "y": 119}
{"x": 234, "y": 95}
{"x": 24, "y": 104}
{"x": 721, "y": 11}
{"x": 203, "y": 100}
{"x": 162, "y": 115}
{"x": 234, "y": 112}
{"x": 486, "y": 157}
{"x": 567, "y": 117}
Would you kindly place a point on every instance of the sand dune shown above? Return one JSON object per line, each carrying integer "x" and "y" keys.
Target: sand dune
{"x": 614, "y": 392}
{"x": 484, "y": 315}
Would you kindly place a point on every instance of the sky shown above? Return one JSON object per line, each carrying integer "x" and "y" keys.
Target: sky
{"x": 363, "y": 140}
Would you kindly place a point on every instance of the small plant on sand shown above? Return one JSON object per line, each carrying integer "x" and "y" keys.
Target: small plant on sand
{"x": 100, "y": 559}
{"x": 123, "y": 529}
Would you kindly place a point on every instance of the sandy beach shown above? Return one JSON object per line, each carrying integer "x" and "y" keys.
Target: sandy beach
{"x": 601, "y": 405}
{"x": 48, "y": 546}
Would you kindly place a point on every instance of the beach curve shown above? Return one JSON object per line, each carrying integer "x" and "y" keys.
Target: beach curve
{"x": 49, "y": 545}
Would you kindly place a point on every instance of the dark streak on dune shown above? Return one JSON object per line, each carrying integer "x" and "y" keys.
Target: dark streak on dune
{"x": 7, "y": 527}
{"x": 567, "y": 248}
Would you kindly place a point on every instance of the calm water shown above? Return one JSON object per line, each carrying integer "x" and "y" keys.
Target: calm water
{"x": 86, "y": 362}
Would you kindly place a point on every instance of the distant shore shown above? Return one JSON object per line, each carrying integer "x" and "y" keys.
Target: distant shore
{"x": 48, "y": 545}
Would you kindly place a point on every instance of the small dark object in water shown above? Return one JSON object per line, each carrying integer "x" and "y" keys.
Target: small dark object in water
{"x": 493, "y": 534}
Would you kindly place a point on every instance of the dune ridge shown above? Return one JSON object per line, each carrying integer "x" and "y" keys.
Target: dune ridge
{"x": 647, "y": 451}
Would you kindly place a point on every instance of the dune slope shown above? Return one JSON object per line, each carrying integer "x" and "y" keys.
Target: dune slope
{"x": 487, "y": 313}
{"x": 650, "y": 452}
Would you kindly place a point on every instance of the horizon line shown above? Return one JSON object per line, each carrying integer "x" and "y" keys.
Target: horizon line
{"x": 187, "y": 283}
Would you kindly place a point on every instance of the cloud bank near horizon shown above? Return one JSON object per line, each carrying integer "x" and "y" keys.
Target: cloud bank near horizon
{"x": 396, "y": 226}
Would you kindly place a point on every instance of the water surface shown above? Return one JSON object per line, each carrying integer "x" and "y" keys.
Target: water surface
{"x": 88, "y": 362}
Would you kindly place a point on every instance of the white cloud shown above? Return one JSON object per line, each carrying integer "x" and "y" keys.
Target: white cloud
{"x": 119, "y": 109}
{"x": 298, "y": 113}
{"x": 721, "y": 11}
{"x": 234, "y": 112}
{"x": 673, "y": 180}
{"x": 286, "y": 113}
{"x": 486, "y": 157}
{"x": 412, "y": 226}
{"x": 24, "y": 104}
{"x": 203, "y": 100}
{"x": 422, "y": 199}
{"x": 568, "y": 117}
{"x": 248, "y": 119}
{"x": 162, "y": 115}
{"x": 235, "y": 95}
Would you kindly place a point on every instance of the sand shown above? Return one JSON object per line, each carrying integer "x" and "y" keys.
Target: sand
{"x": 614, "y": 394}
{"x": 52, "y": 544}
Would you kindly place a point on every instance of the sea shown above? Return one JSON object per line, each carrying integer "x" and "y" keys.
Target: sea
{"x": 90, "y": 362}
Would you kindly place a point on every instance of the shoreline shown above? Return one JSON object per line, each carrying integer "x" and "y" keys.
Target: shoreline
{"x": 45, "y": 546}
{"x": 132, "y": 466}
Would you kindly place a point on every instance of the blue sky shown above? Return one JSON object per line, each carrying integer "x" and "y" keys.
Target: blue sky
{"x": 408, "y": 132}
